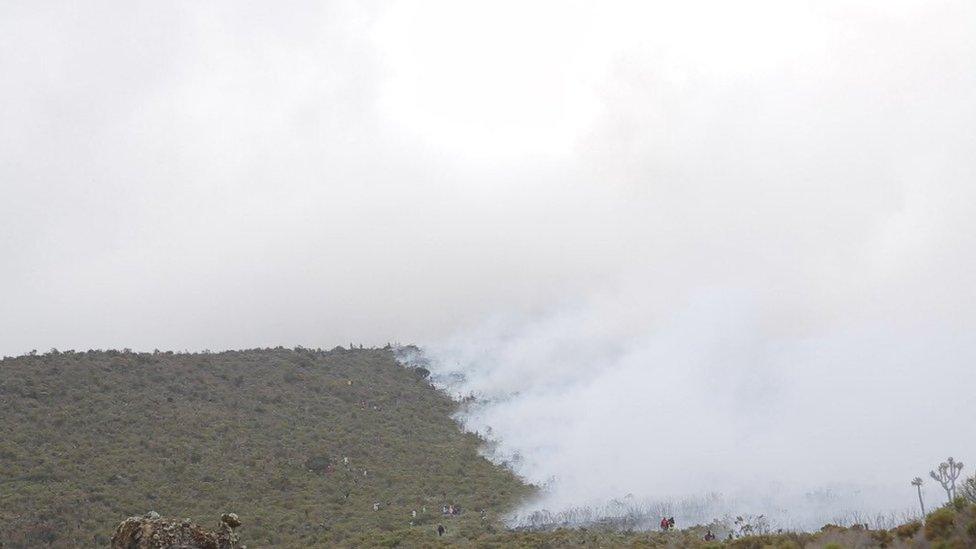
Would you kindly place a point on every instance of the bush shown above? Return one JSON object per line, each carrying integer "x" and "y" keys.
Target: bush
{"x": 960, "y": 503}
{"x": 940, "y": 524}
{"x": 908, "y": 530}
{"x": 882, "y": 537}
{"x": 968, "y": 489}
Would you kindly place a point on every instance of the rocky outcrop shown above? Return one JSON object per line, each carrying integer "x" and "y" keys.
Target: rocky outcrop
{"x": 151, "y": 531}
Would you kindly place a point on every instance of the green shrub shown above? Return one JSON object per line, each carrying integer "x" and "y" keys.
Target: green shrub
{"x": 883, "y": 538}
{"x": 940, "y": 524}
{"x": 908, "y": 530}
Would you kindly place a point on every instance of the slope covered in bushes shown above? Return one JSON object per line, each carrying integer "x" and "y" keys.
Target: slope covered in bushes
{"x": 302, "y": 444}
{"x": 309, "y": 447}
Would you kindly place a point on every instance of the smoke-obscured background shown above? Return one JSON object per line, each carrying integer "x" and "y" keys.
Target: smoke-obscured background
{"x": 709, "y": 245}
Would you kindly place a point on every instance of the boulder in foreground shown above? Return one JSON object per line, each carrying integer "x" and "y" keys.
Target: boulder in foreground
{"x": 151, "y": 531}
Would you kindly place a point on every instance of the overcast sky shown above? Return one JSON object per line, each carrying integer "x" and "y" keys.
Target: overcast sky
{"x": 771, "y": 202}
{"x": 181, "y": 175}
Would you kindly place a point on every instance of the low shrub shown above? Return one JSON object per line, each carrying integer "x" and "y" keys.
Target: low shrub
{"x": 908, "y": 530}
{"x": 940, "y": 524}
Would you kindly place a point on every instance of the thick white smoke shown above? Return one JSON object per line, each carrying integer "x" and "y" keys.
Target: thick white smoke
{"x": 616, "y": 397}
{"x": 789, "y": 322}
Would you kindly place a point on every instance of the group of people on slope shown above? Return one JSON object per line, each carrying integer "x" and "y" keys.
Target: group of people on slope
{"x": 667, "y": 523}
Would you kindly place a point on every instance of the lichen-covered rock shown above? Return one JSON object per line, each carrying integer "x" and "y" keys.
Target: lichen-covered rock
{"x": 150, "y": 531}
{"x": 230, "y": 519}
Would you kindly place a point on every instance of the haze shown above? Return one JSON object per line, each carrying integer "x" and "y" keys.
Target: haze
{"x": 707, "y": 245}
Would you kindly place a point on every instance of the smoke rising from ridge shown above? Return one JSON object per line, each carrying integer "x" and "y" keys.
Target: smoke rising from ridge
{"x": 714, "y": 402}
{"x": 791, "y": 310}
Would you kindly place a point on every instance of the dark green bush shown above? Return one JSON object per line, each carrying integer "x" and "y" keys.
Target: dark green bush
{"x": 940, "y": 524}
{"x": 908, "y": 530}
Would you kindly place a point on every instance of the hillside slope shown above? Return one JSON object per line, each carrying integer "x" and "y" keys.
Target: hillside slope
{"x": 89, "y": 438}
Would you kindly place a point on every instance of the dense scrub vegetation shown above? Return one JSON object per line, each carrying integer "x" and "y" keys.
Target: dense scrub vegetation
{"x": 310, "y": 447}
{"x": 89, "y": 438}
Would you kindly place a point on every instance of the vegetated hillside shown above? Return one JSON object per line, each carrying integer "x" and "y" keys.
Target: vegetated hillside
{"x": 89, "y": 438}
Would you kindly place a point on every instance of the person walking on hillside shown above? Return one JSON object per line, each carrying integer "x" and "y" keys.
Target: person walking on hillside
{"x": 440, "y": 530}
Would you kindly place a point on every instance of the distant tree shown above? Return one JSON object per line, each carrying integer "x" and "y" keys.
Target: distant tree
{"x": 946, "y": 475}
{"x": 969, "y": 489}
{"x": 917, "y": 483}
